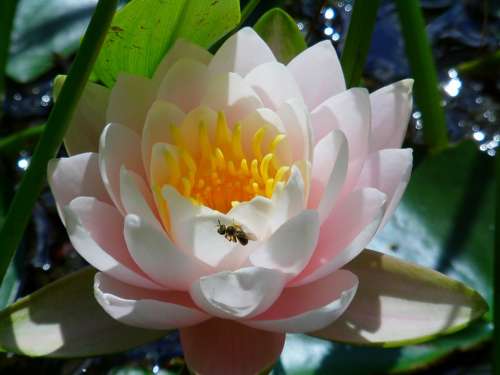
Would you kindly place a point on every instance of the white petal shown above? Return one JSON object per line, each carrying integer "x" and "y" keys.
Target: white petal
{"x": 391, "y": 107}
{"x": 96, "y": 231}
{"x": 296, "y": 120}
{"x": 255, "y": 215}
{"x": 240, "y": 294}
{"x": 145, "y": 308}
{"x": 159, "y": 258}
{"x": 181, "y": 49}
{"x": 288, "y": 201}
{"x": 310, "y": 307}
{"x": 228, "y": 92}
{"x": 388, "y": 171}
{"x": 118, "y": 146}
{"x": 291, "y": 246}
{"x": 274, "y": 83}
{"x": 194, "y": 229}
{"x": 184, "y": 84}
{"x": 349, "y": 112}
{"x": 318, "y": 72}
{"x": 75, "y": 176}
{"x": 130, "y": 100}
{"x": 345, "y": 233}
{"x": 88, "y": 119}
{"x": 136, "y": 196}
{"x": 241, "y": 53}
{"x": 329, "y": 171}
{"x": 159, "y": 118}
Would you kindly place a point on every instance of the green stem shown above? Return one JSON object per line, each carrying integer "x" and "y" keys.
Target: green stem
{"x": 358, "y": 40}
{"x": 426, "y": 87}
{"x": 20, "y": 210}
{"x": 248, "y": 10}
{"x": 7, "y": 12}
{"x": 496, "y": 274}
{"x": 16, "y": 141}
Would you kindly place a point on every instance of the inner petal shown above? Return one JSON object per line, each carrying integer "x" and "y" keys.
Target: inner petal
{"x": 221, "y": 164}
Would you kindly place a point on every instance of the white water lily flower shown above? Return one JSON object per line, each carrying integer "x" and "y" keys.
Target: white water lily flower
{"x": 224, "y": 195}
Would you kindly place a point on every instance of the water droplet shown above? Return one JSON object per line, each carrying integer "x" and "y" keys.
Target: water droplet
{"x": 478, "y": 136}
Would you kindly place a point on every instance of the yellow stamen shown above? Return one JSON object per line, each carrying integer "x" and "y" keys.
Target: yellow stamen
{"x": 257, "y": 143}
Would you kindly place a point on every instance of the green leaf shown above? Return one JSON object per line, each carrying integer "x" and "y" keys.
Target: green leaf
{"x": 281, "y": 33}
{"x": 144, "y": 30}
{"x": 445, "y": 221}
{"x": 45, "y": 31}
{"x": 400, "y": 303}
{"x": 63, "y": 319}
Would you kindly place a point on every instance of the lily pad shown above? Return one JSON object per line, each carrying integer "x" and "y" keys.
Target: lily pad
{"x": 45, "y": 31}
{"x": 63, "y": 319}
{"x": 445, "y": 221}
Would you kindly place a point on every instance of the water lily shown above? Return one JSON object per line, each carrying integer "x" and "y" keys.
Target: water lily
{"x": 224, "y": 196}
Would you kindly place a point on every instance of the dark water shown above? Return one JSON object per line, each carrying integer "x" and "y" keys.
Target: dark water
{"x": 459, "y": 31}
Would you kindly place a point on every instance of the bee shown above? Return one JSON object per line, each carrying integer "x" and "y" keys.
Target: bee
{"x": 234, "y": 233}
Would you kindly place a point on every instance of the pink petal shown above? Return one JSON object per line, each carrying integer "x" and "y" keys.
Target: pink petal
{"x": 184, "y": 84}
{"x": 181, "y": 49}
{"x": 310, "y": 307}
{"x": 96, "y": 231}
{"x": 329, "y": 171}
{"x": 76, "y": 176}
{"x": 159, "y": 118}
{"x": 226, "y": 347}
{"x": 241, "y": 53}
{"x": 318, "y": 72}
{"x": 391, "y": 107}
{"x": 130, "y": 100}
{"x": 118, "y": 146}
{"x": 274, "y": 84}
{"x": 239, "y": 294}
{"x": 136, "y": 197}
{"x": 349, "y": 112}
{"x": 88, "y": 119}
{"x": 145, "y": 308}
{"x": 290, "y": 247}
{"x": 345, "y": 233}
{"x": 159, "y": 258}
{"x": 228, "y": 92}
{"x": 388, "y": 171}
{"x": 295, "y": 118}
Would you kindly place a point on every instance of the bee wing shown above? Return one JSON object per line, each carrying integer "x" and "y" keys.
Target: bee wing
{"x": 251, "y": 236}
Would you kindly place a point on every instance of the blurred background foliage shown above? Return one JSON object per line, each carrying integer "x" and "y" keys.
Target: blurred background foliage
{"x": 445, "y": 220}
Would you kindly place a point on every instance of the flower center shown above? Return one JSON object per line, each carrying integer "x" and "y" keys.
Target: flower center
{"x": 223, "y": 172}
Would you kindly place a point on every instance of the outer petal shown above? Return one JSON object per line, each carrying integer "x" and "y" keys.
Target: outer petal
{"x": 388, "y": 171}
{"x": 310, "y": 307}
{"x": 349, "y": 112}
{"x": 130, "y": 100}
{"x": 296, "y": 120}
{"x": 145, "y": 308}
{"x": 391, "y": 108}
{"x": 329, "y": 171}
{"x": 88, "y": 120}
{"x": 228, "y": 92}
{"x": 241, "y": 53}
{"x": 184, "y": 84}
{"x": 345, "y": 233}
{"x": 246, "y": 351}
{"x": 118, "y": 146}
{"x": 291, "y": 246}
{"x": 318, "y": 72}
{"x": 76, "y": 176}
{"x": 159, "y": 118}
{"x": 159, "y": 258}
{"x": 181, "y": 49}
{"x": 95, "y": 230}
{"x": 274, "y": 83}
{"x": 240, "y": 294}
